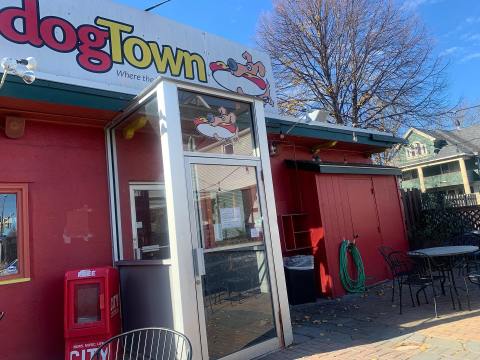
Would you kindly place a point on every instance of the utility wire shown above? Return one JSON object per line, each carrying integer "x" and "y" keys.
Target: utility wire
{"x": 155, "y": 6}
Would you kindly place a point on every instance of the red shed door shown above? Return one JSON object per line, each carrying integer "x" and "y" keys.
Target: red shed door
{"x": 366, "y": 226}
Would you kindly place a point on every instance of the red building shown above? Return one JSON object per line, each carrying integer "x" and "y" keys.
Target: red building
{"x": 104, "y": 165}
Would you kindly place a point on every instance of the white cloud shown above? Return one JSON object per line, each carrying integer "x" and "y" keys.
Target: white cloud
{"x": 473, "y": 37}
{"x": 450, "y": 51}
{"x": 469, "y": 57}
{"x": 472, "y": 19}
{"x": 413, "y": 4}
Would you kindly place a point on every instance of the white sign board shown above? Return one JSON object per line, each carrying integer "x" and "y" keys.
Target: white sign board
{"x": 104, "y": 45}
{"x": 230, "y": 218}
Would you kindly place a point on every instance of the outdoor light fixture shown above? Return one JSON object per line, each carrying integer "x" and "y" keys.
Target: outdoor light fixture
{"x": 23, "y": 68}
{"x": 273, "y": 149}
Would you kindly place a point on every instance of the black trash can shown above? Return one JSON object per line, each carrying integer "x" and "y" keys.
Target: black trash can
{"x": 300, "y": 279}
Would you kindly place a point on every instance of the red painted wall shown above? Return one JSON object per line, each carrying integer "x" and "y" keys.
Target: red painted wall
{"x": 339, "y": 206}
{"x": 65, "y": 167}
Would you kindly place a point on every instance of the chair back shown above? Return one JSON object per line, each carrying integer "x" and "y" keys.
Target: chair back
{"x": 385, "y": 251}
{"x": 425, "y": 265}
{"x": 146, "y": 344}
{"x": 470, "y": 238}
{"x": 401, "y": 263}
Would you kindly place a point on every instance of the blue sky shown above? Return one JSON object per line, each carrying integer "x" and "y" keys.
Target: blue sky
{"x": 453, "y": 24}
{"x": 455, "y": 27}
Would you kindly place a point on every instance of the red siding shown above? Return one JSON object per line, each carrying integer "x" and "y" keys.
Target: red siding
{"x": 65, "y": 167}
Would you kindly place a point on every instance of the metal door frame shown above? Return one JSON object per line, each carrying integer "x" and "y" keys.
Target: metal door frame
{"x": 268, "y": 345}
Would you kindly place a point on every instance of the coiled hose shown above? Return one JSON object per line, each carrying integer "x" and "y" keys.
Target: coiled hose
{"x": 350, "y": 285}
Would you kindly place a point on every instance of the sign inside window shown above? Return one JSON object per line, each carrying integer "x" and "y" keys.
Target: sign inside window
{"x": 231, "y": 218}
{"x": 8, "y": 235}
{"x": 228, "y": 206}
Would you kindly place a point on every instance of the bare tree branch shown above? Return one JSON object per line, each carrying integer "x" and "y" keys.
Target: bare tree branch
{"x": 366, "y": 61}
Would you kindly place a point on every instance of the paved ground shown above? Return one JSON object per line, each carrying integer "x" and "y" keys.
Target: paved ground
{"x": 370, "y": 328}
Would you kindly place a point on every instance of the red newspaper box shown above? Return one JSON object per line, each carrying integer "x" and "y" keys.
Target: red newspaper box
{"x": 92, "y": 310}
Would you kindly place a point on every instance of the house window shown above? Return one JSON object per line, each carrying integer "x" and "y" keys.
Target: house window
{"x": 14, "y": 261}
{"x": 409, "y": 175}
{"x": 416, "y": 149}
{"x": 450, "y": 167}
{"x": 432, "y": 171}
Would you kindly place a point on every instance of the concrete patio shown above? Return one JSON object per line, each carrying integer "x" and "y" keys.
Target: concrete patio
{"x": 369, "y": 327}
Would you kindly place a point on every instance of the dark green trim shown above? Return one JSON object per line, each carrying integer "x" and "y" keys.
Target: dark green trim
{"x": 277, "y": 126}
{"x": 65, "y": 94}
{"x": 343, "y": 168}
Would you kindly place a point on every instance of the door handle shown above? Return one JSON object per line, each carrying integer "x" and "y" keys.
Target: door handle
{"x": 199, "y": 260}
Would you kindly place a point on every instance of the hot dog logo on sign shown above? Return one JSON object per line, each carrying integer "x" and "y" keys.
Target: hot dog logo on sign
{"x": 221, "y": 126}
{"x": 114, "y": 47}
{"x": 243, "y": 77}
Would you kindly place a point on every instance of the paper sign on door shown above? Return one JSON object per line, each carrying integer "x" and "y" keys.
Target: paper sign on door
{"x": 230, "y": 218}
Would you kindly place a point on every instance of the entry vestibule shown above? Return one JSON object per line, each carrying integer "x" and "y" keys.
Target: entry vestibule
{"x": 192, "y": 199}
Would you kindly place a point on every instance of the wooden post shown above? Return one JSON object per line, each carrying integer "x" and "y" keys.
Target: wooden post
{"x": 466, "y": 182}
{"x": 421, "y": 179}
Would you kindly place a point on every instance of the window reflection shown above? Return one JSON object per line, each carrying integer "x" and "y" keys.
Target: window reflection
{"x": 228, "y": 204}
{"x": 237, "y": 300}
{"x": 8, "y": 235}
{"x": 215, "y": 125}
{"x": 140, "y": 183}
{"x": 151, "y": 225}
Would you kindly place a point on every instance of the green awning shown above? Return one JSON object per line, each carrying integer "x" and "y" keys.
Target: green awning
{"x": 343, "y": 168}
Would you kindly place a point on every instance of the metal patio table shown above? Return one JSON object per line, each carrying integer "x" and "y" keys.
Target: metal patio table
{"x": 450, "y": 253}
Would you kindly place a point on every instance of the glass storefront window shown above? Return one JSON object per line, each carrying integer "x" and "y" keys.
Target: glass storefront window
{"x": 215, "y": 125}
{"x": 140, "y": 185}
{"x": 8, "y": 235}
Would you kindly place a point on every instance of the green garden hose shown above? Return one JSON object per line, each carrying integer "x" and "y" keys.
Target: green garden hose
{"x": 351, "y": 286}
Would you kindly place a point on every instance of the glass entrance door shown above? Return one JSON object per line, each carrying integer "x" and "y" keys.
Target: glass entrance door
{"x": 233, "y": 279}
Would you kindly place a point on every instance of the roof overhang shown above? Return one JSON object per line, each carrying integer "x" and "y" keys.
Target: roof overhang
{"x": 343, "y": 168}
{"x": 332, "y": 132}
{"x": 65, "y": 94}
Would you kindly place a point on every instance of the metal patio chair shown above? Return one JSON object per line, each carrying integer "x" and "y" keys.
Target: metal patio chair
{"x": 397, "y": 272}
{"x": 473, "y": 278}
{"x": 419, "y": 274}
{"x": 469, "y": 261}
{"x": 146, "y": 344}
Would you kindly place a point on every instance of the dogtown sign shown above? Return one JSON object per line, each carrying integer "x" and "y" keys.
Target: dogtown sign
{"x": 109, "y": 46}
